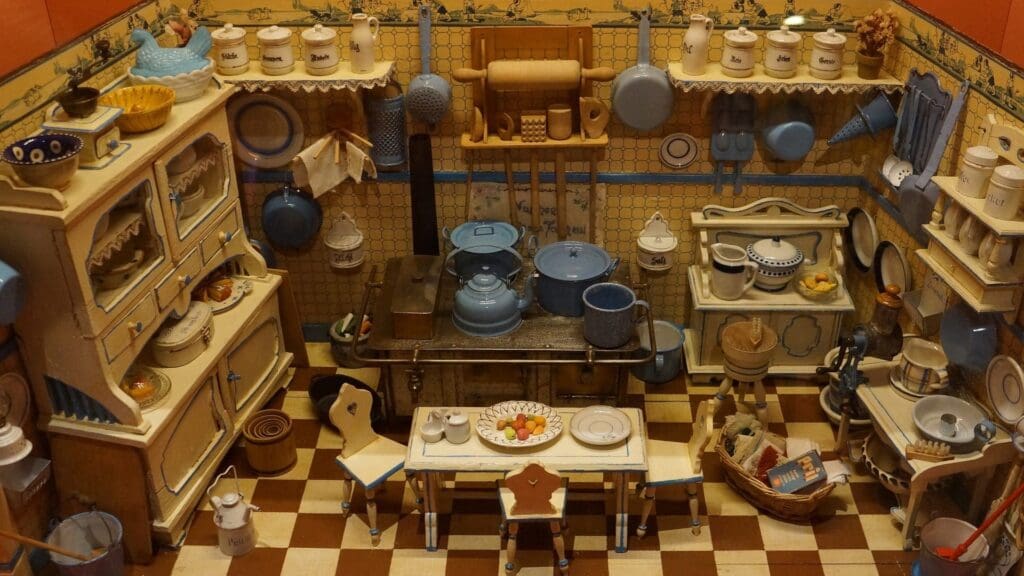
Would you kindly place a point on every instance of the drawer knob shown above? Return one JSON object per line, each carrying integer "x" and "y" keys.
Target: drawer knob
{"x": 113, "y": 143}
{"x": 225, "y": 236}
{"x": 234, "y": 376}
{"x": 185, "y": 280}
{"x": 135, "y": 328}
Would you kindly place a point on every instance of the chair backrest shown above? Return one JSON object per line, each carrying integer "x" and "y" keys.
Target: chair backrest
{"x": 351, "y": 414}
{"x": 703, "y": 426}
{"x": 532, "y": 485}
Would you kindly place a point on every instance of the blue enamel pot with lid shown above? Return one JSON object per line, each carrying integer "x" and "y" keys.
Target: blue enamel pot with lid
{"x": 565, "y": 270}
{"x": 489, "y": 243}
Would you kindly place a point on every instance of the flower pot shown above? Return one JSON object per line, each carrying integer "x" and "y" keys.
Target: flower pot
{"x": 868, "y": 67}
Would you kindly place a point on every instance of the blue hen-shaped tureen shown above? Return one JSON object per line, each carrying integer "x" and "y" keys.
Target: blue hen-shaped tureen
{"x": 186, "y": 70}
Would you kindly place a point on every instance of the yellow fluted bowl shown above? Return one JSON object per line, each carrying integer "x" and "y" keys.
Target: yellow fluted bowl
{"x": 145, "y": 107}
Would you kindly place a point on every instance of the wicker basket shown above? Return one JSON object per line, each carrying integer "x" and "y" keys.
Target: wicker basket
{"x": 814, "y": 295}
{"x": 793, "y": 507}
{"x": 145, "y": 107}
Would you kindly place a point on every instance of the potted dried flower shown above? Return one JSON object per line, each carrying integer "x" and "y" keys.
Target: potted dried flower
{"x": 874, "y": 31}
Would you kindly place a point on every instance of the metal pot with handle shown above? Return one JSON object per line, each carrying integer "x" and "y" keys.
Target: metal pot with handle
{"x": 642, "y": 95}
{"x": 565, "y": 270}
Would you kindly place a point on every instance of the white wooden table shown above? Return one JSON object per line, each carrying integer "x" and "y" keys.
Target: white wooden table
{"x": 892, "y": 416}
{"x": 564, "y": 454}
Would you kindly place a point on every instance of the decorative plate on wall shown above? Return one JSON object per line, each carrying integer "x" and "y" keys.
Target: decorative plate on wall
{"x": 266, "y": 130}
{"x": 861, "y": 238}
{"x": 891, "y": 267}
{"x": 678, "y": 150}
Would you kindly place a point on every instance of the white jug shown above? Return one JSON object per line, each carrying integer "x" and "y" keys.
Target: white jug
{"x": 732, "y": 273}
{"x": 362, "y": 42}
{"x": 236, "y": 534}
{"x": 456, "y": 426}
{"x": 695, "y": 44}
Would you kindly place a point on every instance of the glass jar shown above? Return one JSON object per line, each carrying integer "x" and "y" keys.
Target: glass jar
{"x": 975, "y": 170}
{"x": 885, "y": 336}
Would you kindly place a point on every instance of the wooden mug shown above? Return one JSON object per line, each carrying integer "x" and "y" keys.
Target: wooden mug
{"x": 559, "y": 121}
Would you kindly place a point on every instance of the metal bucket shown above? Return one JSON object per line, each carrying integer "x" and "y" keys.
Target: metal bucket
{"x": 386, "y": 118}
{"x": 950, "y": 532}
{"x": 84, "y": 533}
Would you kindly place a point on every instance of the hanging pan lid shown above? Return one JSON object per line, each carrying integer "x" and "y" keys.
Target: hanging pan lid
{"x": 1004, "y": 381}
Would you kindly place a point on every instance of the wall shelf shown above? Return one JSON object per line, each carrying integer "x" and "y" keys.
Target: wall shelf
{"x": 976, "y": 207}
{"x": 1004, "y": 300}
{"x": 493, "y": 142}
{"x": 299, "y": 80}
{"x": 759, "y": 83}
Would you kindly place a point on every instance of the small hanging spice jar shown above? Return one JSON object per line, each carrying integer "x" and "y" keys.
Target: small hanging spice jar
{"x": 656, "y": 245}
{"x": 738, "y": 53}
{"x": 321, "y": 50}
{"x": 827, "y": 56}
{"x": 276, "y": 56}
{"x": 781, "y": 53}
{"x": 230, "y": 53}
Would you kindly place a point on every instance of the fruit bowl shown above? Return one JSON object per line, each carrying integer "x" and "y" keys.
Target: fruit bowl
{"x": 494, "y": 421}
{"x": 817, "y": 285}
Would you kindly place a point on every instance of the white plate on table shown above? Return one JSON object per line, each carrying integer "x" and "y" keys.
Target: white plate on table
{"x": 487, "y": 429}
{"x": 600, "y": 426}
{"x": 266, "y": 131}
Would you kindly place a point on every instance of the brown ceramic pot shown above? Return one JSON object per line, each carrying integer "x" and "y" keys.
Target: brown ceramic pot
{"x": 868, "y": 67}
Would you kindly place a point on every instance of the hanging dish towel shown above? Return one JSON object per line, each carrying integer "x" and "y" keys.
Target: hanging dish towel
{"x": 357, "y": 160}
{"x": 321, "y": 173}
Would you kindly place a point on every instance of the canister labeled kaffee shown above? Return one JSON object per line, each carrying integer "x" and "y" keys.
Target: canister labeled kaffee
{"x": 738, "y": 53}
{"x": 229, "y": 49}
{"x": 276, "y": 56}
{"x": 781, "y": 53}
{"x": 827, "y": 57}
{"x": 975, "y": 170}
{"x": 321, "y": 50}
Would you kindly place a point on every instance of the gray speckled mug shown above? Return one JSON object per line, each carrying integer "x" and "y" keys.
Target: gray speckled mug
{"x": 608, "y": 314}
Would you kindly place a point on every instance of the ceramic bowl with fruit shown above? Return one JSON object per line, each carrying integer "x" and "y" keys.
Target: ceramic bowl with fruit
{"x": 519, "y": 424}
{"x": 819, "y": 285}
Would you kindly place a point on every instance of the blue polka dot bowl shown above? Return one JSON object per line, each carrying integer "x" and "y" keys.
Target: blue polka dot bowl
{"x": 47, "y": 160}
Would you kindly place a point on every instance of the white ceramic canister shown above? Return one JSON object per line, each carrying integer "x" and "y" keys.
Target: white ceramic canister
{"x": 827, "y": 57}
{"x": 180, "y": 342}
{"x": 738, "y": 53}
{"x": 975, "y": 170}
{"x": 362, "y": 42}
{"x": 695, "y": 44}
{"x": 781, "y": 53}
{"x": 320, "y": 47}
{"x": 1005, "y": 192}
{"x": 276, "y": 56}
{"x": 229, "y": 50}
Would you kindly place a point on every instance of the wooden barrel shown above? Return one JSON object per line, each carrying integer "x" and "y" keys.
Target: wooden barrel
{"x": 269, "y": 443}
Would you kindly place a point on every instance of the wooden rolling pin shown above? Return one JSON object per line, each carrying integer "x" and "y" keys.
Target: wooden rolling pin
{"x": 522, "y": 75}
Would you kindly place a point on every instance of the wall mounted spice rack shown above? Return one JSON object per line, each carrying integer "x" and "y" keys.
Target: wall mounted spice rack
{"x": 760, "y": 83}
{"x": 298, "y": 80}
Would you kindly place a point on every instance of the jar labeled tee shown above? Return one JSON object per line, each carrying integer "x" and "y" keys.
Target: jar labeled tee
{"x": 827, "y": 57}
{"x": 276, "y": 56}
{"x": 229, "y": 50}
{"x": 321, "y": 50}
{"x": 1005, "y": 192}
{"x": 975, "y": 170}
{"x": 738, "y": 53}
{"x": 781, "y": 53}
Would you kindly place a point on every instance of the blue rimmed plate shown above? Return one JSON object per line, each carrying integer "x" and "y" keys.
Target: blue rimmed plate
{"x": 266, "y": 130}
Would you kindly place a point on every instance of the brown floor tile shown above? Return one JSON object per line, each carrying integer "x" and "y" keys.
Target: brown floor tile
{"x": 675, "y": 386}
{"x": 203, "y": 532}
{"x": 409, "y": 531}
{"x": 702, "y": 563}
{"x": 735, "y": 533}
{"x": 258, "y": 562}
{"x": 588, "y": 563}
{"x": 236, "y": 457}
{"x": 792, "y": 563}
{"x": 375, "y": 562}
{"x": 894, "y": 561}
{"x": 801, "y": 408}
{"x": 711, "y": 467}
{"x": 470, "y": 523}
{"x": 276, "y": 402}
{"x": 676, "y": 432}
{"x": 162, "y": 565}
{"x": 472, "y": 562}
{"x": 279, "y": 495}
{"x": 318, "y": 531}
{"x": 306, "y": 433}
{"x": 840, "y": 531}
{"x": 872, "y": 498}
{"x": 325, "y": 465}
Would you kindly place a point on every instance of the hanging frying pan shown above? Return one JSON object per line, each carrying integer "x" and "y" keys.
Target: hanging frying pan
{"x": 291, "y": 218}
{"x": 642, "y": 95}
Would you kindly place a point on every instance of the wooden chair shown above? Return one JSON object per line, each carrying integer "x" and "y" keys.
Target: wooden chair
{"x": 671, "y": 463}
{"x": 365, "y": 457}
{"x": 533, "y": 494}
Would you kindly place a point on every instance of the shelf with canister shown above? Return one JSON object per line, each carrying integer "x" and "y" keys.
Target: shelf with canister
{"x": 780, "y": 67}
{"x": 976, "y": 228}
{"x": 534, "y": 107}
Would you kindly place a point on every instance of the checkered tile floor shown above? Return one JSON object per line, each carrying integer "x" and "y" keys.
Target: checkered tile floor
{"x": 301, "y": 531}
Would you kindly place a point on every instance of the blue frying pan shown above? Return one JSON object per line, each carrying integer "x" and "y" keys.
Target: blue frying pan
{"x": 291, "y": 217}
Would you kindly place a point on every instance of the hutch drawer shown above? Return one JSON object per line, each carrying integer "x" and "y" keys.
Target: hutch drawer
{"x": 129, "y": 331}
{"x": 179, "y": 279}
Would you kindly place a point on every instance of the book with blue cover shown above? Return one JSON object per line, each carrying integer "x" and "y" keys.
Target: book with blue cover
{"x": 799, "y": 473}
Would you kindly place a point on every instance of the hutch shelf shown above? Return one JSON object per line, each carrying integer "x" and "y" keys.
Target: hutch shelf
{"x": 760, "y": 83}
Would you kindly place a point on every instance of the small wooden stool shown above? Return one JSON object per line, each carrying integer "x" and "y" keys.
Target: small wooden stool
{"x": 533, "y": 494}
{"x": 366, "y": 458}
